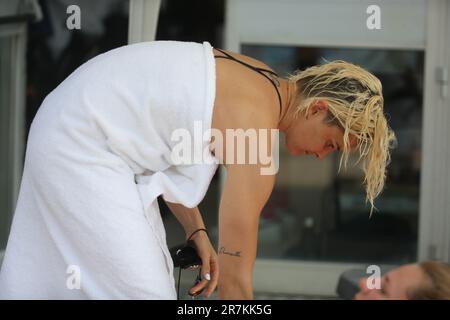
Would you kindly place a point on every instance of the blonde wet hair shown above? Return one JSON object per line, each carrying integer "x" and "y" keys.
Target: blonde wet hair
{"x": 355, "y": 103}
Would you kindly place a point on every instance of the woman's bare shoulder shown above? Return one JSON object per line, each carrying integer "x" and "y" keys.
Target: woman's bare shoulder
{"x": 243, "y": 97}
{"x": 245, "y": 112}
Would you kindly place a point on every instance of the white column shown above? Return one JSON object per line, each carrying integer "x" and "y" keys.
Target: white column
{"x": 143, "y": 20}
{"x": 434, "y": 230}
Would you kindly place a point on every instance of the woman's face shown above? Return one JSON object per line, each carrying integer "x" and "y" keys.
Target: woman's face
{"x": 311, "y": 135}
{"x": 394, "y": 284}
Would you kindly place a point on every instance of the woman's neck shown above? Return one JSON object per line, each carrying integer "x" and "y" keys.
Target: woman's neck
{"x": 289, "y": 98}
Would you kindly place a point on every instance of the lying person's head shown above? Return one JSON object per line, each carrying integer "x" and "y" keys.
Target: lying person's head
{"x": 429, "y": 280}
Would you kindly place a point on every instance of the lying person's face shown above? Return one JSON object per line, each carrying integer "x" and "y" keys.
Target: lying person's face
{"x": 394, "y": 284}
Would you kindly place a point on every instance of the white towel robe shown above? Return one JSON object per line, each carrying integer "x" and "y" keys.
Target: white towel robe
{"x": 87, "y": 223}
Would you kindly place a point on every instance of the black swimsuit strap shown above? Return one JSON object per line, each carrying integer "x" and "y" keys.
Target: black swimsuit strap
{"x": 261, "y": 71}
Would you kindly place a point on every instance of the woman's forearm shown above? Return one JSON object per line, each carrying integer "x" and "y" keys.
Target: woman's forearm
{"x": 189, "y": 218}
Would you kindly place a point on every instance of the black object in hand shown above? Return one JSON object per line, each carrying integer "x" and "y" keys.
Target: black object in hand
{"x": 185, "y": 255}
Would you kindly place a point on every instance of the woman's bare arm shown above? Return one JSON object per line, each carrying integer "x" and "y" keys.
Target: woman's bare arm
{"x": 245, "y": 194}
{"x": 190, "y": 218}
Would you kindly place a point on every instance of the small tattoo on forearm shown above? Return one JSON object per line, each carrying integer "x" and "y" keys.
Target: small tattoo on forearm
{"x": 222, "y": 250}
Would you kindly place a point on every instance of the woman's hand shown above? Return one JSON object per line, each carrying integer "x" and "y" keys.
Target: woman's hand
{"x": 191, "y": 220}
{"x": 210, "y": 264}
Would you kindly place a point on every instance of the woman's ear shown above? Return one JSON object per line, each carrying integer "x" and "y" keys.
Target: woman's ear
{"x": 353, "y": 140}
{"x": 318, "y": 106}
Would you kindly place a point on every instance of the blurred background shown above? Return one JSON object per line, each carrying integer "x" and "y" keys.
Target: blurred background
{"x": 316, "y": 224}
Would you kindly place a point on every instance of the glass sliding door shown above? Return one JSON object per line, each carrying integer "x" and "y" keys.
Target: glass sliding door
{"x": 316, "y": 224}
